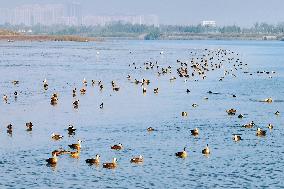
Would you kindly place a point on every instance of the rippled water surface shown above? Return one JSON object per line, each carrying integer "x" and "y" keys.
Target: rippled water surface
{"x": 250, "y": 163}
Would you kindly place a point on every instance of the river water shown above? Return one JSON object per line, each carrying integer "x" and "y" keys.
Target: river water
{"x": 250, "y": 163}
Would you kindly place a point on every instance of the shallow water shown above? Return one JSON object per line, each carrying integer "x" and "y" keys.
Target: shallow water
{"x": 250, "y": 163}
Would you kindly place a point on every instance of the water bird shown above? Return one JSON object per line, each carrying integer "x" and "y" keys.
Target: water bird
{"x": 29, "y": 126}
{"x": 150, "y": 129}
{"x": 240, "y": 116}
{"x": 194, "y": 132}
{"x": 83, "y": 91}
{"x": 5, "y": 98}
{"x": 138, "y": 159}
{"x": 56, "y": 136}
{"x": 270, "y": 126}
{"x": 102, "y": 105}
{"x": 9, "y": 128}
{"x": 117, "y": 146}
{"x": 182, "y": 154}
{"x": 194, "y": 105}
{"x": 85, "y": 82}
{"x": 260, "y": 132}
{"x": 111, "y": 165}
{"x": 156, "y": 90}
{"x": 45, "y": 84}
{"x": 75, "y": 154}
{"x": 236, "y": 137}
{"x": 277, "y": 113}
{"x": 206, "y": 150}
{"x": 52, "y": 160}
{"x": 144, "y": 90}
{"x": 95, "y": 160}
{"x": 59, "y": 152}
{"x": 15, "y": 82}
{"x": 231, "y": 111}
{"x": 76, "y": 146}
{"x": 249, "y": 125}
{"x": 268, "y": 100}
{"x": 76, "y": 104}
{"x": 184, "y": 114}
{"x": 71, "y": 129}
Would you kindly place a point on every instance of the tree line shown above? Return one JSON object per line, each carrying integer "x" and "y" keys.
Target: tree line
{"x": 119, "y": 29}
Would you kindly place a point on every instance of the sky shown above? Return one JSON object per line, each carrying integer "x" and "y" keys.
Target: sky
{"x": 184, "y": 12}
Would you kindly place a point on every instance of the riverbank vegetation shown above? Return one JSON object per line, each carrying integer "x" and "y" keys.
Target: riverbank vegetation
{"x": 125, "y": 30}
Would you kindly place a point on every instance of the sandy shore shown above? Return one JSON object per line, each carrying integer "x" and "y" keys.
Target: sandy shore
{"x": 12, "y": 38}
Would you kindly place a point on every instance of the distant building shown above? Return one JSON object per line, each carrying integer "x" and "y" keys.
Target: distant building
{"x": 208, "y": 23}
{"x": 68, "y": 14}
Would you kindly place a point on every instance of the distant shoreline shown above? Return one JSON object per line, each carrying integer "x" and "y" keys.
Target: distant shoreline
{"x": 12, "y": 38}
{"x": 257, "y": 37}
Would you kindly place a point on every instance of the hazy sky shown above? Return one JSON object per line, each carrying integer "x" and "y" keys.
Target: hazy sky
{"x": 241, "y": 12}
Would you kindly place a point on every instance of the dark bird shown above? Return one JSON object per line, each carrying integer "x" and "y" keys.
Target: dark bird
{"x": 95, "y": 160}
{"x": 182, "y": 154}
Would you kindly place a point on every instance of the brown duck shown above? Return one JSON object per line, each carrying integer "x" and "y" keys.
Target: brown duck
{"x": 52, "y": 160}
{"x": 76, "y": 146}
{"x": 117, "y": 146}
{"x": 95, "y": 160}
{"x": 111, "y": 165}
{"x": 138, "y": 159}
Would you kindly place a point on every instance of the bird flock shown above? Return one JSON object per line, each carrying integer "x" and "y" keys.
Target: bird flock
{"x": 196, "y": 68}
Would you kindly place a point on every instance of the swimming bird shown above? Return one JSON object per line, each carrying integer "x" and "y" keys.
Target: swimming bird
{"x": 5, "y": 98}
{"x": 150, "y": 129}
{"x": 277, "y": 113}
{"x": 83, "y": 91}
{"x": 15, "y": 82}
{"x": 194, "y": 105}
{"x": 138, "y": 159}
{"x": 52, "y": 160}
{"x": 56, "y": 136}
{"x": 156, "y": 90}
{"x": 111, "y": 165}
{"x": 71, "y": 129}
{"x": 206, "y": 150}
{"x": 102, "y": 105}
{"x": 95, "y": 160}
{"x": 85, "y": 82}
{"x": 59, "y": 152}
{"x": 29, "y": 126}
{"x": 240, "y": 116}
{"x": 76, "y": 146}
{"x": 144, "y": 90}
{"x": 249, "y": 125}
{"x": 183, "y": 113}
{"x": 182, "y": 154}
{"x": 268, "y": 100}
{"x": 194, "y": 132}
{"x": 231, "y": 111}
{"x": 260, "y": 132}
{"x": 45, "y": 84}
{"x": 76, "y": 104}
{"x": 75, "y": 154}
{"x": 270, "y": 126}
{"x": 237, "y": 137}
{"x": 117, "y": 146}
{"x": 9, "y": 128}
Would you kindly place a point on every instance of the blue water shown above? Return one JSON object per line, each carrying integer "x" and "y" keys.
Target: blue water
{"x": 253, "y": 162}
